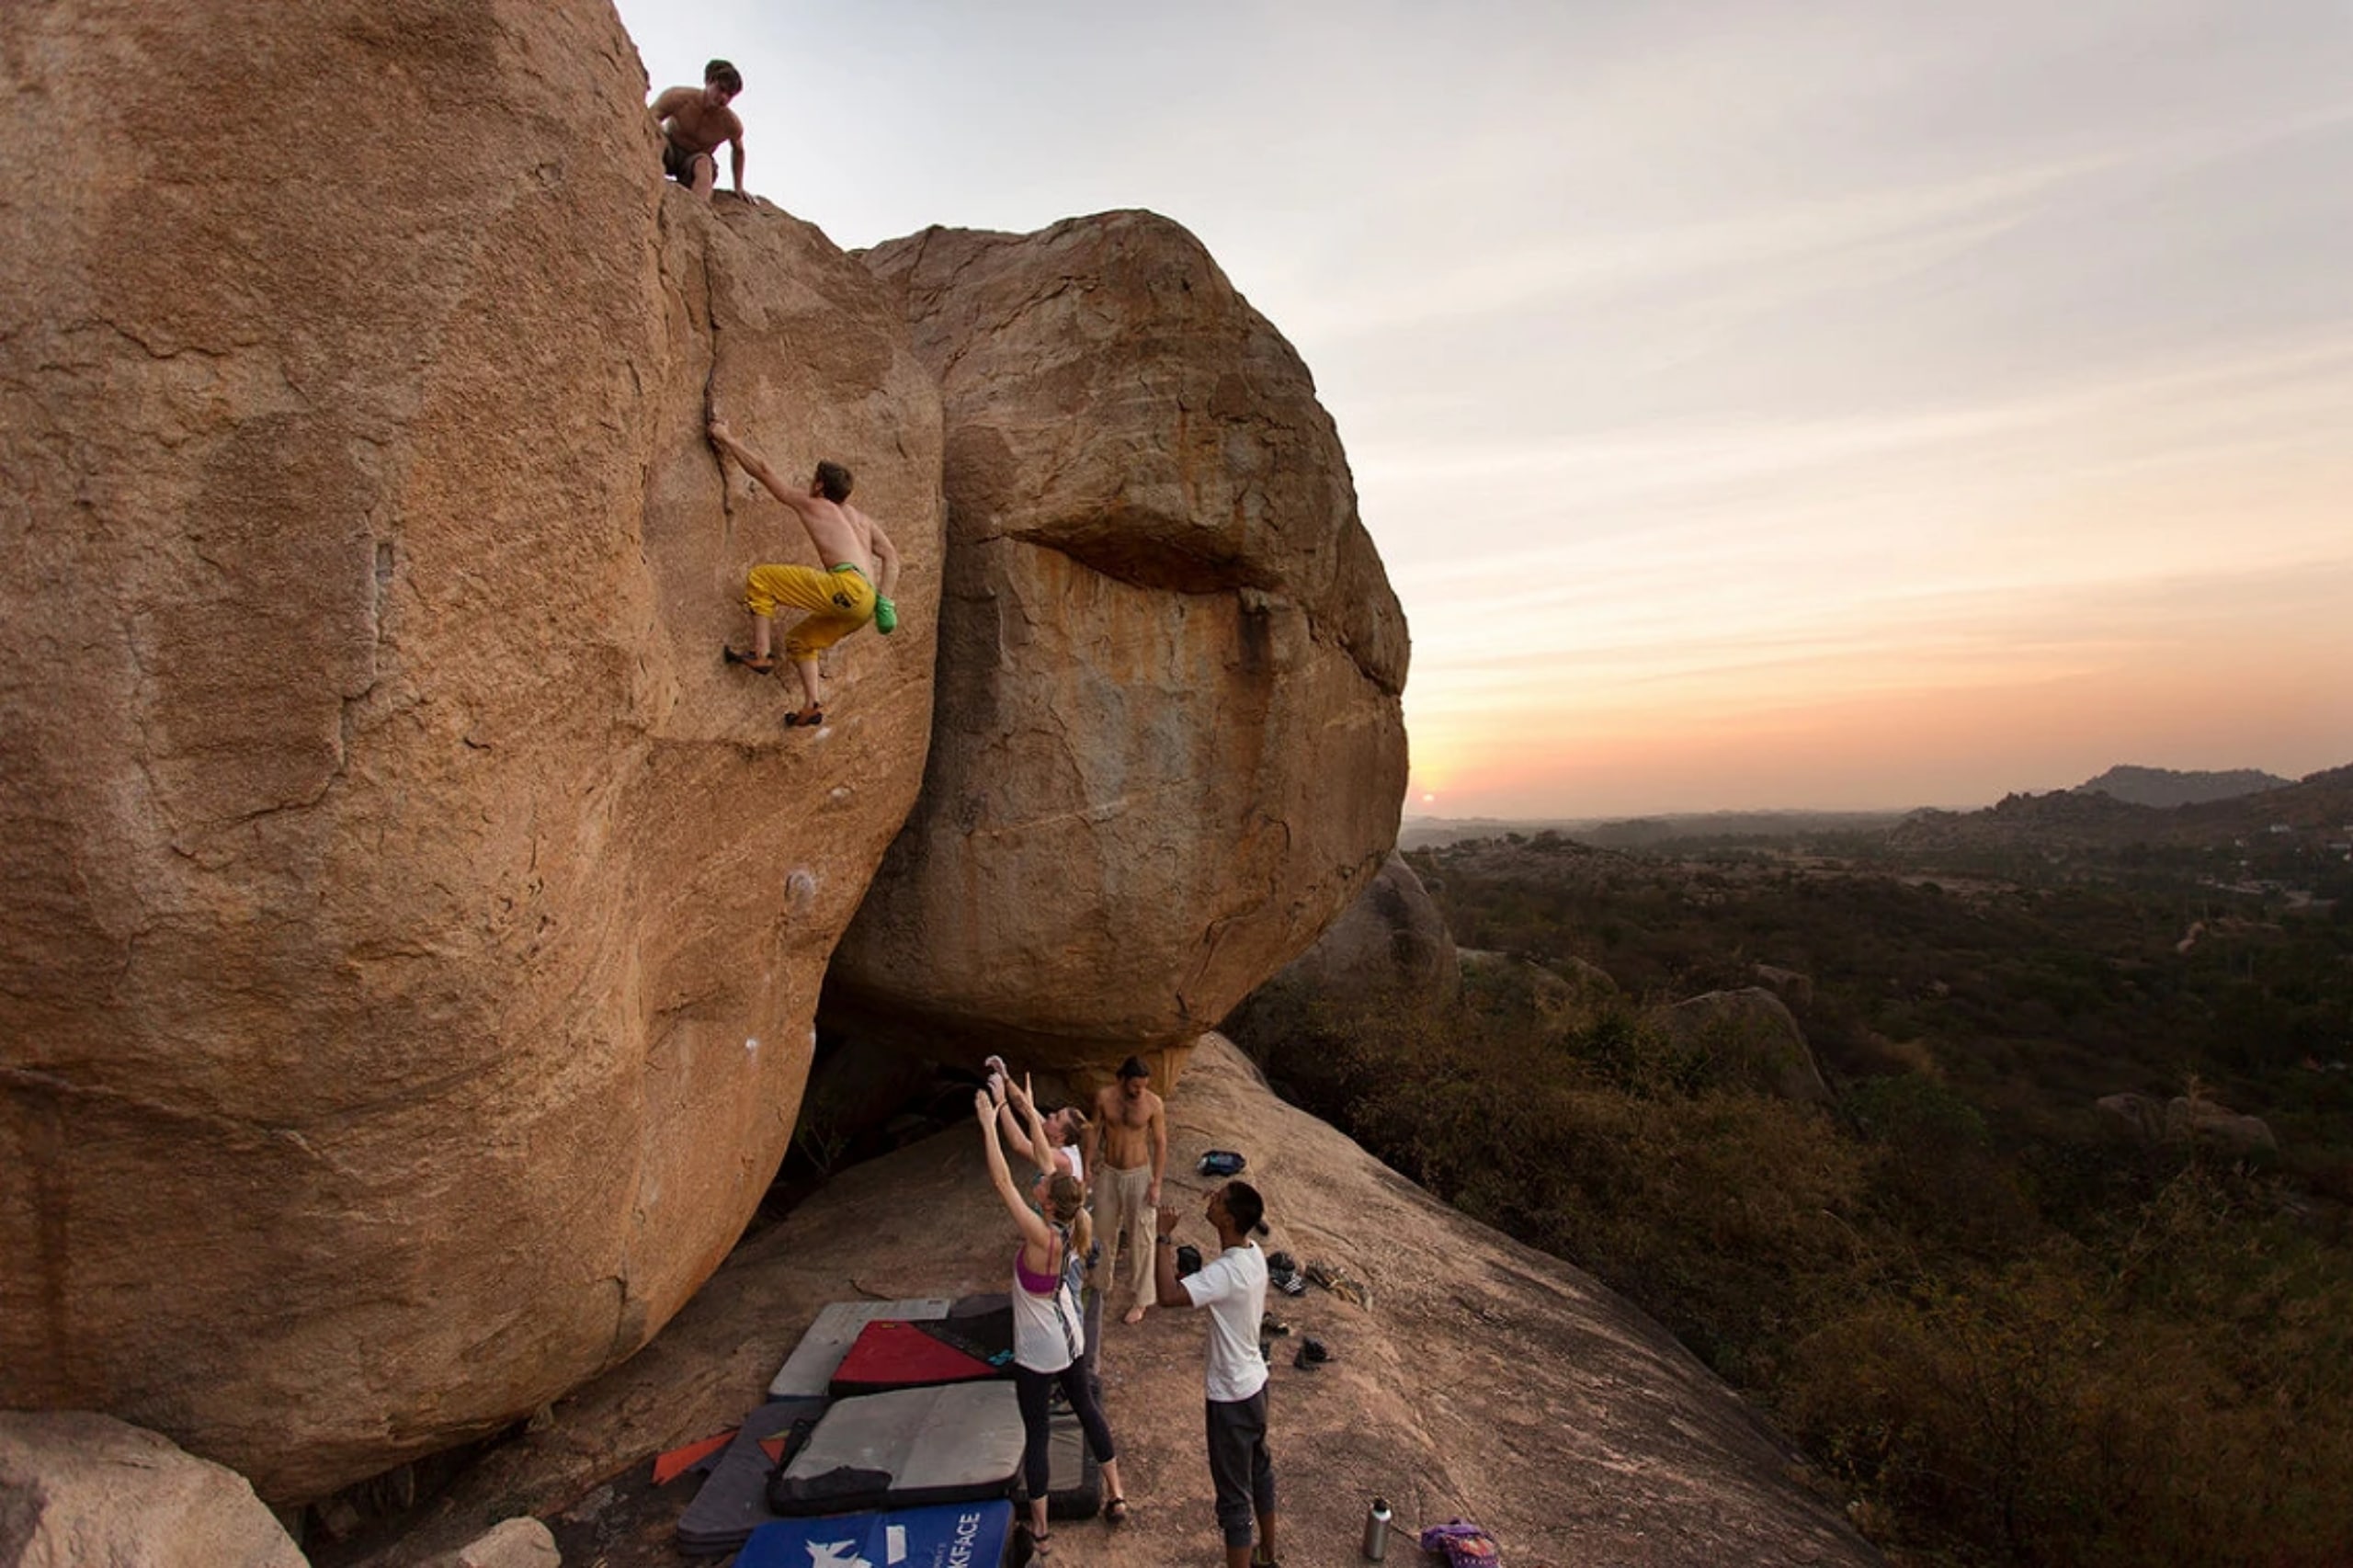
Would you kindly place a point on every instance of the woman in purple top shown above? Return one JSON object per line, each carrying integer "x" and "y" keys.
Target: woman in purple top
{"x": 1048, "y": 1333}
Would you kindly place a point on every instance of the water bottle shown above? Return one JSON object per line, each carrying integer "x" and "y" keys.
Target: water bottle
{"x": 1375, "y": 1532}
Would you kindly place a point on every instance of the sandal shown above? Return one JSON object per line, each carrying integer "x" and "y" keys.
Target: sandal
{"x": 809, "y": 718}
{"x": 752, "y": 661}
{"x": 1115, "y": 1512}
{"x": 1038, "y": 1550}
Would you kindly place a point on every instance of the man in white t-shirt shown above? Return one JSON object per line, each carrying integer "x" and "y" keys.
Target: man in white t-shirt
{"x": 1233, "y": 1286}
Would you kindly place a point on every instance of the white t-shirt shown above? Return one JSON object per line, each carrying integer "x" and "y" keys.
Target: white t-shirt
{"x": 1233, "y": 1287}
{"x": 1077, "y": 1163}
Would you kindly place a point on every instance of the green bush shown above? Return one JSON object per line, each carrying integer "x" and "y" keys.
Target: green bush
{"x": 2178, "y": 1397}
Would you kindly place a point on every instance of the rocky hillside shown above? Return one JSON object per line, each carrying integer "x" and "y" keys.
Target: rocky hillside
{"x": 2319, "y": 806}
{"x": 2170, "y": 787}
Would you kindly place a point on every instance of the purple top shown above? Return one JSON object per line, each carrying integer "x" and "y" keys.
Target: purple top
{"x": 1036, "y": 1284}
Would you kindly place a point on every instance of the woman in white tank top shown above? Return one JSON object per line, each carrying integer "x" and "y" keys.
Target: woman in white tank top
{"x": 1049, "y": 1331}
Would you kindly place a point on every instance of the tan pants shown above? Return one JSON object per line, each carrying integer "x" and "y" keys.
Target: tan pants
{"x": 1122, "y": 1197}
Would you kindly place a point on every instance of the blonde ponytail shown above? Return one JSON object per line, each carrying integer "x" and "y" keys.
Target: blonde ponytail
{"x": 1068, "y": 1200}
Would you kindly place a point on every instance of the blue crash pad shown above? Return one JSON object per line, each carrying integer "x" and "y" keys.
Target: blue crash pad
{"x": 949, "y": 1535}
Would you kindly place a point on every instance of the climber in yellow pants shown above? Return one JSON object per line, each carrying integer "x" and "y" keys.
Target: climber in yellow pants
{"x": 861, "y": 568}
{"x": 838, "y": 602}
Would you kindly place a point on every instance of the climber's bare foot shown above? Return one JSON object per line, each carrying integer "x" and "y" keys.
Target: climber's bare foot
{"x": 1135, "y": 1314}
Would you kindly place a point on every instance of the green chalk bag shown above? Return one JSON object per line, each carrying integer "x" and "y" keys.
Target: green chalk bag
{"x": 886, "y": 616}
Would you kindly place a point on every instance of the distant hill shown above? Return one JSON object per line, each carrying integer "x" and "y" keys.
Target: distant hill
{"x": 1646, "y": 833}
{"x": 2170, "y": 787}
{"x": 2122, "y": 806}
{"x": 1424, "y": 832}
{"x": 2318, "y": 809}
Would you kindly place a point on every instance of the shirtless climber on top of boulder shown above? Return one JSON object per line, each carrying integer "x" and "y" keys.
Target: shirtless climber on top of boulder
{"x": 861, "y": 568}
{"x": 694, "y": 122}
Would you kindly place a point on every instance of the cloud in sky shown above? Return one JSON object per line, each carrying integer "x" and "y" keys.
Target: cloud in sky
{"x": 1755, "y": 404}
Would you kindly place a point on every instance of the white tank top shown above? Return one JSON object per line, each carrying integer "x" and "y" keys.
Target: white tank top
{"x": 1039, "y": 1341}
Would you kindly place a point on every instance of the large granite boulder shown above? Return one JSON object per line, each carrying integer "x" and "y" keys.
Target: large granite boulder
{"x": 413, "y": 933}
{"x": 2187, "y": 1119}
{"x": 1566, "y": 993}
{"x": 1169, "y": 749}
{"x": 1753, "y": 1038}
{"x": 1390, "y": 950}
{"x": 2143, "y": 1116}
{"x": 1793, "y": 986}
{"x": 2199, "y": 1121}
{"x": 85, "y": 1491}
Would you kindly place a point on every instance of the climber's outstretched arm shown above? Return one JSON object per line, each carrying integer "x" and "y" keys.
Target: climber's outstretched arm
{"x": 753, "y": 463}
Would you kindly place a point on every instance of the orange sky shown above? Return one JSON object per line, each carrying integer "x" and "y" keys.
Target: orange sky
{"x": 1959, "y": 746}
{"x": 1951, "y": 709}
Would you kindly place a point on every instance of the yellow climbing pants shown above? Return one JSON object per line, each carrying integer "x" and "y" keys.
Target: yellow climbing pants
{"x": 838, "y": 602}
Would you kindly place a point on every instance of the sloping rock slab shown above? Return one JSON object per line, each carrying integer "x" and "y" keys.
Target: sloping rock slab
{"x": 1487, "y": 1380}
{"x": 78, "y": 1489}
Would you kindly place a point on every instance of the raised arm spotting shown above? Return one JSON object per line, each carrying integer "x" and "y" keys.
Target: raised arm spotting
{"x": 1035, "y": 1235}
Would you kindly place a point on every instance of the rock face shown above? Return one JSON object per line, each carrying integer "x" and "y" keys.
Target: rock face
{"x": 1486, "y": 1379}
{"x": 1390, "y": 949}
{"x": 1169, "y": 747}
{"x": 1568, "y": 992}
{"x": 854, "y": 1091}
{"x": 1392, "y": 940}
{"x": 516, "y": 1543}
{"x": 2199, "y": 1121}
{"x": 413, "y": 933}
{"x": 1751, "y": 1034}
{"x": 2186, "y": 1120}
{"x": 1790, "y": 986}
{"x": 2144, "y": 1116}
{"x": 82, "y": 1490}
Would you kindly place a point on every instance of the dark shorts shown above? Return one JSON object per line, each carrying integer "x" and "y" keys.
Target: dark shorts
{"x": 679, "y": 163}
{"x": 1239, "y": 1466}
